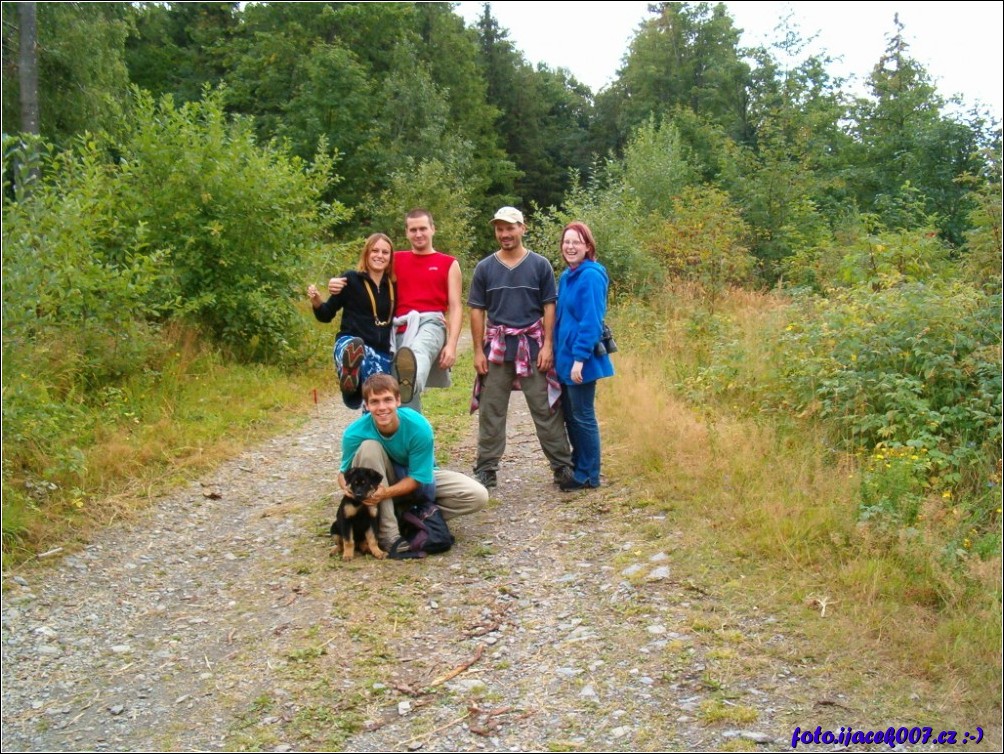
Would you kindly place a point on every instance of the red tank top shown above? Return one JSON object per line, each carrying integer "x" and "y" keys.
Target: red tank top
{"x": 422, "y": 281}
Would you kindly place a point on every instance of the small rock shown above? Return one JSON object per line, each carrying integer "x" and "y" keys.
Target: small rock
{"x": 403, "y": 708}
{"x": 656, "y": 629}
{"x": 620, "y": 732}
{"x": 658, "y": 574}
{"x": 117, "y": 709}
{"x": 658, "y": 557}
{"x": 588, "y": 692}
{"x": 631, "y": 570}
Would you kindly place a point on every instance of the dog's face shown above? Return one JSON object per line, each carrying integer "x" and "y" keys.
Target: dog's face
{"x": 362, "y": 482}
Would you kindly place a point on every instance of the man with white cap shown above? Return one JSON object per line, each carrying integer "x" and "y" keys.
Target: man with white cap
{"x": 512, "y": 302}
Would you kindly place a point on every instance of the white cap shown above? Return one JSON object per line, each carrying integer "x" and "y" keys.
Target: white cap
{"x": 508, "y": 215}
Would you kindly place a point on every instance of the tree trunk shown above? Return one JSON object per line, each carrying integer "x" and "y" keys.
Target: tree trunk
{"x": 28, "y": 68}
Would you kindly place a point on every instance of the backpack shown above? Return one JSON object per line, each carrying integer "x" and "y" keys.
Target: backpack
{"x": 425, "y": 529}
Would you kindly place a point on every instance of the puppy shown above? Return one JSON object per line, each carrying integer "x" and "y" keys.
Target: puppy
{"x": 356, "y": 522}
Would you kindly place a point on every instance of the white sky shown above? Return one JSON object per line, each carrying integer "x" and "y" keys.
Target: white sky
{"x": 959, "y": 43}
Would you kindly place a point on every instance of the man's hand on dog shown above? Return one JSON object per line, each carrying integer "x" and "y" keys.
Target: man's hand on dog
{"x": 378, "y": 496}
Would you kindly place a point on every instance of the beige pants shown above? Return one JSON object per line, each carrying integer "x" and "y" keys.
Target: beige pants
{"x": 456, "y": 494}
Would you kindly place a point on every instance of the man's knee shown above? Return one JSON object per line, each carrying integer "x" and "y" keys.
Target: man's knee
{"x": 471, "y": 499}
{"x": 371, "y": 455}
{"x": 479, "y": 498}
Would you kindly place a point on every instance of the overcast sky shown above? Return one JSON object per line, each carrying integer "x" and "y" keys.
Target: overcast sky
{"x": 959, "y": 43}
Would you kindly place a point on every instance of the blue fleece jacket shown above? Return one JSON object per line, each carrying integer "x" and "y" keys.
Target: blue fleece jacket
{"x": 582, "y": 306}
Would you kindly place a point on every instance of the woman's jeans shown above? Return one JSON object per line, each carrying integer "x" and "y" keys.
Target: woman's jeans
{"x": 374, "y": 362}
{"x": 578, "y": 404}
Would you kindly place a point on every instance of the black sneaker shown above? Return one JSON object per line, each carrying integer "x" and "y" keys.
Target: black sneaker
{"x": 563, "y": 476}
{"x": 487, "y": 478}
{"x": 571, "y": 485}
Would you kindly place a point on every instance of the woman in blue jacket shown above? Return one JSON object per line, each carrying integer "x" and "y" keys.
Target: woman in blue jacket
{"x": 582, "y": 307}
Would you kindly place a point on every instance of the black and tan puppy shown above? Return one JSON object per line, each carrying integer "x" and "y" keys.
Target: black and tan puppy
{"x": 356, "y": 522}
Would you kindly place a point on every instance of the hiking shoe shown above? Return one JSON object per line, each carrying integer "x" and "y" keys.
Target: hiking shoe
{"x": 400, "y": 549}
{"x": 487, "y": 478}
{"x": 405, "y": 369}
{"x": 572, "y": 484}
{"x": 563, "y": 476}
{"x": 352, "y": 359}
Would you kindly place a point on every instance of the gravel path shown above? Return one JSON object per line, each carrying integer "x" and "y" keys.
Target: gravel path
{"x": 217, "y": 621}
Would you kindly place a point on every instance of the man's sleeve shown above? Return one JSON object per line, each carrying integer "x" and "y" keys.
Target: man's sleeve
{"x": 476, "y": 296}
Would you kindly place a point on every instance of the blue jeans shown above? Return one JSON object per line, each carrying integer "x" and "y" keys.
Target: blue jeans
{"x": 374, "y": 362}
{"x": 577, "y": 402}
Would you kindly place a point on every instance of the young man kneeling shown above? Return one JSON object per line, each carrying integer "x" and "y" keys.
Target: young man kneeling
{"x": 398, "y": 442}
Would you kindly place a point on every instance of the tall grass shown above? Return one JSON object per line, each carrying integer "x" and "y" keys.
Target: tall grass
{"x": 756, "y": 489}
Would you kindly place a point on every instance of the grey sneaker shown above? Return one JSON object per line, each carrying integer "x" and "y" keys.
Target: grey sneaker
{"x": 563, "y": 476}
{"x": 487, "y": 478}
{"x": 404, "y": 368}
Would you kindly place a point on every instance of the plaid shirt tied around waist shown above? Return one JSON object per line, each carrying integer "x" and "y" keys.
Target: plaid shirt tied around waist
{"x": 495, "y": 339}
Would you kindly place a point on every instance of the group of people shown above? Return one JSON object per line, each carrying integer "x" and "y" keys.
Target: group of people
{"x": 401, "y": 321}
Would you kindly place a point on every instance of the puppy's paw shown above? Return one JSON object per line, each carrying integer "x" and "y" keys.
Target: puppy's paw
{"x": 377, "y": 553}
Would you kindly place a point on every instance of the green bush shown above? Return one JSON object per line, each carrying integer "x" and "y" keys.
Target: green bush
{"x": 703, "y": 241}
{"x": 237, "y": 217}
{"x": 911, "y": 373}
{"x": 914, "y": 363}
{"x": 75, "y": 278}
{"x": 866, "y": 253}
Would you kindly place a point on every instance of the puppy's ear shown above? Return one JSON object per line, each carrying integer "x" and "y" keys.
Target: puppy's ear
{"x": 373, "y": 476}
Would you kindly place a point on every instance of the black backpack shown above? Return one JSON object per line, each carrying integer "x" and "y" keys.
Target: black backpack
{"x": 425, "y": 529}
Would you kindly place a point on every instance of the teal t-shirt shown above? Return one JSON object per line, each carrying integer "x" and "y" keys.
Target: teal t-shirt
{"x": 411, "y": 446}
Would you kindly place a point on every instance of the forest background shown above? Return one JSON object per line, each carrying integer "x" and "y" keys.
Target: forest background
{"x": 822, "y": 264}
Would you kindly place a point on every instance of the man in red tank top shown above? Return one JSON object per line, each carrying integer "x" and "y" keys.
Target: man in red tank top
{"x": 429, "y": 312}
